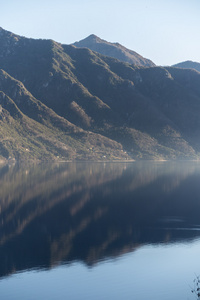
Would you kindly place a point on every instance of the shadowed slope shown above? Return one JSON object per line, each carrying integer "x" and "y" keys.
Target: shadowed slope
{"x": 102, "y": 103}
{"x": 114, "y": 50}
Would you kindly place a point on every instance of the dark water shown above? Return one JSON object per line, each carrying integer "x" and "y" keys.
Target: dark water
{"x": 99, "y": 231}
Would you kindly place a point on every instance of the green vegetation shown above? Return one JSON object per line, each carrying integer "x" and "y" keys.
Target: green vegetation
{"x": 60, "y": 102}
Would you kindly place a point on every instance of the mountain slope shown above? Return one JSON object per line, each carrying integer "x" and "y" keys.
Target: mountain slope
{"x": 30, "y": 130}
{"x": 115, "y": 50}
{"x": 188, "y": 65}
{"x": 102, "y": 108}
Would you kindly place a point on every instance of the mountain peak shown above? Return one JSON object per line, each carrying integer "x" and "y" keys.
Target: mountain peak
{"x": 189, "y": 64}
{"x": 63, "y": 103}
{"x": 92, "y": 39}
{"x": 114, "y": 50}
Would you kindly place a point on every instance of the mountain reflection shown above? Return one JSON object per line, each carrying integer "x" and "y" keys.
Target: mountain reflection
{"x": 92, "y": 211}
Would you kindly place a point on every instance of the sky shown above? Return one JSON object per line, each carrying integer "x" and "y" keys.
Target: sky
{"x": 165, "y": 31}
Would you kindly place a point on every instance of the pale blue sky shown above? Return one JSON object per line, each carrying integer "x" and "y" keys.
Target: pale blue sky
{"x": 165, "y": 31}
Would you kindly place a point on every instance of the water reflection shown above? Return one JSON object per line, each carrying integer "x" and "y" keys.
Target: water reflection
{"x": 92, "y": 211}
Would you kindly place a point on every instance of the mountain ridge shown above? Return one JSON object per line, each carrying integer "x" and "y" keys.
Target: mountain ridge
{"x": 85, "y": 105}
{"x": 189, "y": 64}
{"x": 115, "y": 50}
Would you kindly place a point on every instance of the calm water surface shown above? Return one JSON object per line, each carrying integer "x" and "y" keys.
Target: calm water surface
{"x": 99, "y": 231}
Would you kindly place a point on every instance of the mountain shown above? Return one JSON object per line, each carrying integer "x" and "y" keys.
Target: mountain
{"x": 188, "y": 65}
{"x": 30, "y": 130}
{"x": 64, "y": 102}
{"x": 115, "y": 50}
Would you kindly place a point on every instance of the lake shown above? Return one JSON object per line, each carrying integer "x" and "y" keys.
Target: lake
{"x": 99, "y": 230}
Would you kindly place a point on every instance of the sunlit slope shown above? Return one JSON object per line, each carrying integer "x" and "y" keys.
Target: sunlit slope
{"x": 137, "y": 112}
{"x": 30, "y": 130}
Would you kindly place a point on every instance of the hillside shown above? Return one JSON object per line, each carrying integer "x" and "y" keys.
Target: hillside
{"x": 114, "y": 50}
{"x": 65, "y": 102}
{"x": 188, "y": 65}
